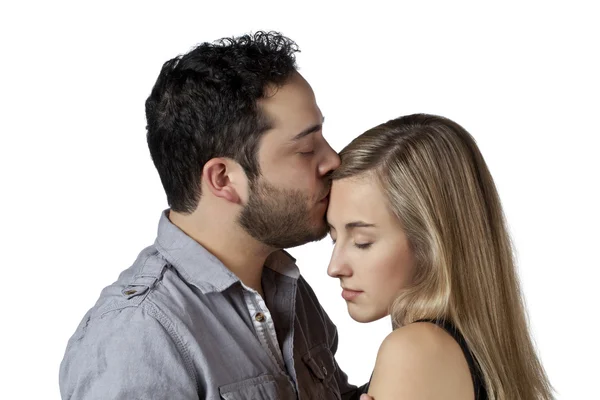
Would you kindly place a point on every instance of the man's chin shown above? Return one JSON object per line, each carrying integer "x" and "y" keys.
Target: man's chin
{"x": 321, "y": 229}
{"x": 319, "y": 235}
{"x": 313, "y": 237}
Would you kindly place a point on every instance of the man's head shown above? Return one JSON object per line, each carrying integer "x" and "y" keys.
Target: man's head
{"x": 234, "y": 121}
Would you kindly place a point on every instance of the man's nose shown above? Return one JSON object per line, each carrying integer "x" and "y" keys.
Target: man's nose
{"x": 330, "y": 162}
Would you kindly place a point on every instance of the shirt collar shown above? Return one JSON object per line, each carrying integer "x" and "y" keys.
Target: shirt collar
{"x": 201, "y": 268}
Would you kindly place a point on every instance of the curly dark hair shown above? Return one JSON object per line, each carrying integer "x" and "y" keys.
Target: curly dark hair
{"x": 204, "y": 105}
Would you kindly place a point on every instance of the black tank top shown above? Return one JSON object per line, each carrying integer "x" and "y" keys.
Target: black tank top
{"x": 476, "y": 375}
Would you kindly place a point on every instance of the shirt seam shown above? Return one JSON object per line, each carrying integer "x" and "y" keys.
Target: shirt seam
{"x": 168, "y": 325}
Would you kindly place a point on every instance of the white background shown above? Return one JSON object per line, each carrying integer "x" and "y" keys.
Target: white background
{"x": 81, "y": 197}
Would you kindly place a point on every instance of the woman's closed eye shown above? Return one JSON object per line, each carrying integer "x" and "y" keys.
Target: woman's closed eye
{"x": 362, "y": 246}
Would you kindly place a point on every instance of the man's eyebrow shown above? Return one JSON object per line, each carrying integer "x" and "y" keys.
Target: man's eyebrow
{"x": 308, "y": 131}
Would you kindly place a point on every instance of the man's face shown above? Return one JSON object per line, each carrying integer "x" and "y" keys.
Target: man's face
{"x": 287, "y": 202}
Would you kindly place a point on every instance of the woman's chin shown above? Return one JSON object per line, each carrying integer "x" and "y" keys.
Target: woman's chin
{"x": 364, "y": 316}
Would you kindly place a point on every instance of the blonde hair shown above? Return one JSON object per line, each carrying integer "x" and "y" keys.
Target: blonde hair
{"x": 438, "y": 185}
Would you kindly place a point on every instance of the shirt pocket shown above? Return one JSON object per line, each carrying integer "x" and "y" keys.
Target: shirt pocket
{"x": 261, "y": 387}
{"x": 321, "y": 363}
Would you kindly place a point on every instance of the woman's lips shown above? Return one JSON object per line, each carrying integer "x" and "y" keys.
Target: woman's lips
{"x": 350, "y": 295}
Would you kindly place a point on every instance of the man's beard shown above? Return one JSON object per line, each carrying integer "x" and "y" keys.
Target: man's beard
{"x": 280, "y": 218}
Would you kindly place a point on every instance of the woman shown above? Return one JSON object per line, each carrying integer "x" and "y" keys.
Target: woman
{"x": 419, "y": 235}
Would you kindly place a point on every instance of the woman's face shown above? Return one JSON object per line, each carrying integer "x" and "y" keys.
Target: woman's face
{"x": 372, "y": 257}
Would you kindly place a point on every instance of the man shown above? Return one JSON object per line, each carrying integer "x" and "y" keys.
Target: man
{"x": 215, "y": 309}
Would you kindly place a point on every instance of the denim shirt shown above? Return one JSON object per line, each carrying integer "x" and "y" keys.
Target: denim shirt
{"x": 178, "y": 324}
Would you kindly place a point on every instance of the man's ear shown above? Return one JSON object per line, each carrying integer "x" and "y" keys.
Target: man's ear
{"x": 221, "y": 176}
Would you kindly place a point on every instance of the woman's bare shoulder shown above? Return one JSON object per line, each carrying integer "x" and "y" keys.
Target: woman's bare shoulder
{"x": 421, "y": 361}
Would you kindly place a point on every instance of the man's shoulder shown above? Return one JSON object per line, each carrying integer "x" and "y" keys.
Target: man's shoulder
{"x": 138, "y": 301}
{"x": 125, "y": 328}
{"x": 133, "y": 284}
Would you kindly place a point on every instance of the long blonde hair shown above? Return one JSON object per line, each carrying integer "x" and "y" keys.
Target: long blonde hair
{"x": 438, "y": 185}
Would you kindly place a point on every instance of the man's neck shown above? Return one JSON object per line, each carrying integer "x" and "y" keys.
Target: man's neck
{"x": 226, "y": 240}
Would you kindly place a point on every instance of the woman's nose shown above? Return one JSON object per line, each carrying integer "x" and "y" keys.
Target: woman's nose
{"x": 338, "y": 266}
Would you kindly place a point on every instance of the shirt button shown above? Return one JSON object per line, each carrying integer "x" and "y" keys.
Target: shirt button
{"x": 324, "y": 370}
{"x": 130, "y": 292}
{"x": 260, "y": 317}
